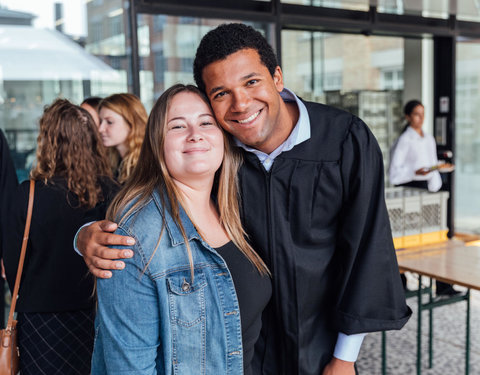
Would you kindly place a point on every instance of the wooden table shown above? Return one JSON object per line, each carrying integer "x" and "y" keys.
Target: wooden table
{"x": 452, "y": 262}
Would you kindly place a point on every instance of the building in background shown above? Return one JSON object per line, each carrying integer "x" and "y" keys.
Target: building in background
{"x": 368, "y": 57}
{"x": 37, "y": 66}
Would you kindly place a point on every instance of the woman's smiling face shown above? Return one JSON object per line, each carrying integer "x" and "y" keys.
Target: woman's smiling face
{"x": 194, "y": 144}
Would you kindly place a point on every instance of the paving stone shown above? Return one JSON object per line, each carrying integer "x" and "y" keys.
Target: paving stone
{"x": 448, "y": 342}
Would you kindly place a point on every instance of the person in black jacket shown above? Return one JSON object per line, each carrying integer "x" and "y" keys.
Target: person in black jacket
{"x": 8, "y": 184}
{"x": 313, "y": 205}
{"x": 8, "y": 177}
{"x": 56, "y": 302}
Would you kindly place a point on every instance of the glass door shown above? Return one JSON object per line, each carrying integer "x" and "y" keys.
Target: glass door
{"x": 467, "y": 158}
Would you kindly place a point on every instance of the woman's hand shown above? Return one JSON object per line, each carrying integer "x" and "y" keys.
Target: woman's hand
{"x": 422, "y": 171}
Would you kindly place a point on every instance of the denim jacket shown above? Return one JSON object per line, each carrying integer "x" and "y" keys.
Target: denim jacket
{"x": 152, "y": 319}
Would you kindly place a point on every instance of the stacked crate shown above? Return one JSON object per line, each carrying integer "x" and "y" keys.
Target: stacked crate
{"x": 417, "y": 217}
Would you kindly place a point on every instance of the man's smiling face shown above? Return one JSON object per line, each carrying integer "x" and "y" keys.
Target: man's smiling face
{"x": 246, "y": 101}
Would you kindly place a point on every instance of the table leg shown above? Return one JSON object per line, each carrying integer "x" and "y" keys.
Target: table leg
{"x": 419, "y": 327}
{"x": 467, "y": 336}
{"x": 384, "y": 353}
{"x": 430, "y": 327}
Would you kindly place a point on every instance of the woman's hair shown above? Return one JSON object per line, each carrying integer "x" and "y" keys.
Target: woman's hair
{"x": 410, "y": 106}
{"x": 70, "y": 146}
{"x": 408, "y": 109}
{"x": 92, "y": 101}
{"x": 151, "y": 173}
{"x": 134, "y": 114}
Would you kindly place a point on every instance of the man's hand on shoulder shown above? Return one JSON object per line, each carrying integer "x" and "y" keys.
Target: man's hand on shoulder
{"x": 339, "y": 367}
{"x": 92, "y": 242}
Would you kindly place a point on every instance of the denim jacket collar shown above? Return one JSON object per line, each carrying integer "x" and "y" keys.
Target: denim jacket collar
{"x": 173, "y": 230}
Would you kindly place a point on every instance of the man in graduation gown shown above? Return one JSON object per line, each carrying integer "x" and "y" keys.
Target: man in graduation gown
{"x": 313, "y": 206}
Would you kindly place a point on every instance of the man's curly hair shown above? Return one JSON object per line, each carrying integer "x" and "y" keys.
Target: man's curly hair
{"x": 226, "y": 39}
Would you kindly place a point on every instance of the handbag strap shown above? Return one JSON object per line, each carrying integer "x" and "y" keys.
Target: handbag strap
{"x": 22, "y": 255}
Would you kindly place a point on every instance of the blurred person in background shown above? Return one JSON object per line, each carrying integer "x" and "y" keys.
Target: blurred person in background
{"x": 414, "y": 163}
{"x": 122, "y": 127}
{"x": 73, "y": 185}
{"x": 8, "y": 184}
{"x": 414, "y": 154}
{"x": 91, "y": 104}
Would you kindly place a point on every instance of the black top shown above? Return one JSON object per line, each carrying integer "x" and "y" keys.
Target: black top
{"x": 8, "y": 182}
{"x": 55, "y": 278}
{"x": 319, "y": 221}
{"x": 253, "y": 292}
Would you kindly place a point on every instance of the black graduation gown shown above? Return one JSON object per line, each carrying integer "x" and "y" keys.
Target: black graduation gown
{"x": 319, "y": 221}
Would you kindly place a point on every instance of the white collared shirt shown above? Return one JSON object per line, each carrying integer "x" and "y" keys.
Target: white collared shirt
{"x": 411, "y": 153}
{"x": 299, "y": 134}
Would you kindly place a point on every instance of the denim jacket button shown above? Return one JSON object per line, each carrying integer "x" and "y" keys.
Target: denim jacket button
{"x": 185, "y": 286}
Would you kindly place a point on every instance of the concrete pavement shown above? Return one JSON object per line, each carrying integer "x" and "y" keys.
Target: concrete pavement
{"x": 449, "y": 342}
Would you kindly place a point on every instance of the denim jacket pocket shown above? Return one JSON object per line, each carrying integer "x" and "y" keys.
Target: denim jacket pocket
{"x": 186, "y": 300}
{"x": 188, "y": 322}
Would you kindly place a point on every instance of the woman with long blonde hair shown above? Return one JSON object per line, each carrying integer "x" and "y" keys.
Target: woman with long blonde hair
{"x": 122, "y": 128}
{"x": 190, "y": 300}
{"x": 73, "y": 185}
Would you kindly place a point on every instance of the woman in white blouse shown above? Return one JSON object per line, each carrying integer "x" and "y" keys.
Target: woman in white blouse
{"x": 414, "y": 163}
{"x": 414, "y": 155}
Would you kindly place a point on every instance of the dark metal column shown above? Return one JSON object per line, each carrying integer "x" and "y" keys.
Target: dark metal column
{"x": 277, "y": 11}
{"x": 135, "y": 58}
{"x": 444, "y": 113}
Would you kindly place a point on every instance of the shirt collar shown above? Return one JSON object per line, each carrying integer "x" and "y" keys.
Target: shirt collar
{"x": 299, "y": 134}
{"x": 413, "y": 133}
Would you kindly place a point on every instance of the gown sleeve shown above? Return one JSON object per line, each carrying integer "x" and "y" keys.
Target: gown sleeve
{"x": 370, "y": 294}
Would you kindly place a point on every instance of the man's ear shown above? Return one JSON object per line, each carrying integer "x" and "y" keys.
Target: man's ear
{"x": 278, "y": 78}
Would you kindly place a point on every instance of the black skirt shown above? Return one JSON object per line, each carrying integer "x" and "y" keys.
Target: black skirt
{"x": 419, "y": 184}
{"x": 56, "y": 343}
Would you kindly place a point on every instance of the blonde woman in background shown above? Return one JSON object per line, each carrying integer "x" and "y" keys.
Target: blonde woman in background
{"x": 122, "y": 128}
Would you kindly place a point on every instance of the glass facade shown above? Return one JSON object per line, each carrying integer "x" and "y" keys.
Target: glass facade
{"x": 468, "y": 10}
{"x": 39, "y": 64}
{"x": 467, "y": 158}
{"x": 167, "y": 46}
{"x": 370, "y": 76}
{"x": 324, "y": 67}
{"x": 107, "y": 40}
{"x": 424, "y": 8}
{"x": 338, "y": 4}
